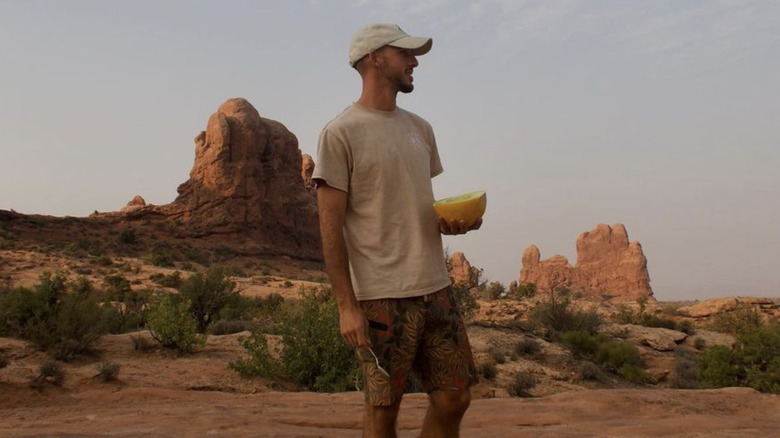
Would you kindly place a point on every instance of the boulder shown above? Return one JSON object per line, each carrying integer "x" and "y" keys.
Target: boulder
{"x": 607, "y": 265}
{"x": 134, "y": 204}
{"x": 657, "y": 338}
{"x": 459, "y": 268}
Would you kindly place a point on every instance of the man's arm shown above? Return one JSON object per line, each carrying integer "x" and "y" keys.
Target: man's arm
{"x": 332, "y": 206}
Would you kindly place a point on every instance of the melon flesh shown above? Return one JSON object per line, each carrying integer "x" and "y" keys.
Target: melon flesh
{"x": 468, "y": 207}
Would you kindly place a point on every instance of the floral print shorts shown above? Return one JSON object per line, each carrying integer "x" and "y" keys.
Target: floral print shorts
{"x": 424, "y": 334}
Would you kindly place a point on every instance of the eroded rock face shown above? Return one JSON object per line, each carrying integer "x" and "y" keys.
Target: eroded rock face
{"x": 246, "y": 179}
{"x": 607, "y": 264}
{"x": 307, "y": 169}
{"x": 134, "y": 204}
{"x": 459, "y": 268}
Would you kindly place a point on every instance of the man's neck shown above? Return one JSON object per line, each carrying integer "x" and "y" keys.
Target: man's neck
{"x": 379, "y": 98}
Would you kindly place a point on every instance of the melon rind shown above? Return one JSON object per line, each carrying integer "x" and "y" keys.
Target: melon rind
{"x": 468, "y": 207}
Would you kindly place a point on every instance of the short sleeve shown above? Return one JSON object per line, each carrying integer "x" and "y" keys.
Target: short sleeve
{"x": 333, "y": 161}
{"x": 436, "y": 167}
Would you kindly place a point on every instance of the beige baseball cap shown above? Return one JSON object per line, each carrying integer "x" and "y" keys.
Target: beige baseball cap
{"x": 376, "y": 36}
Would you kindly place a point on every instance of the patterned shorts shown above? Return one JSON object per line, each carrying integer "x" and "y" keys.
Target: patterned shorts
{"x": 425, "y": 334}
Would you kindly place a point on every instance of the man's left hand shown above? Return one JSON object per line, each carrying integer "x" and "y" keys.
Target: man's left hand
{"x": 457, "y": 227}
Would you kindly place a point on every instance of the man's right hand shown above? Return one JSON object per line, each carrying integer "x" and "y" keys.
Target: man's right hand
{"x": 354, "y": 327}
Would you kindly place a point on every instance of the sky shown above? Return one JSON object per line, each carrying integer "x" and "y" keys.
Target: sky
{"x": 661, "y": 115}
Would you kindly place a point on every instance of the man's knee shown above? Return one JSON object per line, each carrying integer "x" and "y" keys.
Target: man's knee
{"x": 383, "y": 416}
{"x": 451, "y": 403}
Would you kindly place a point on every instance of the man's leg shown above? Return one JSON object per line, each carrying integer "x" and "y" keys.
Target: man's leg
{"x": 445, "y": 412}
{"x": 379, "y": 421}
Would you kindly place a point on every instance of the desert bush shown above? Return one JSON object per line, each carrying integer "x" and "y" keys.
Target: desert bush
{"x": 686, "y": 327}
{"x": 171, "y": 323}
{"x": 744, "y": 317}
{"x": 686, "y": 370}
{"x": 228, "y": 327}
{"x": 108, "y": 371}
{"x": 582, "y": 343}
{"x": 488, "y": 371}
{"x": 127, "y": 310}
{"x": 195, "y": 255}
{"x": 616, "y": 354}
{"x": 498, "y": 355}
{"x": 466, "y": 300}
{"x": 519, "y": 291}
{"x": 495, "y": 290}
{"x": 208, "y": 292}
{"x": 224, "y": 253}
{"x": 754, "y": 361}
{"x": 313, "y": 352}
{"x": 239, "y": 307}
{"x": 557, "y": 315}
{"x": 55, "y": 319}
{"x": 634, "y": 374}
{"x": 258, "y": 361}
{"x": 699, "y": 343}
{"x": 127, "y": 236}
{"x": 103, "y": 260}
{"x": 528, "y": 347}
{"x": 142, "y": 344}
{"x": 4, "y": 361}
{"x": 590, "y": 371}
{"x": 161, "y": 256}
{"x": 521, "y": 383}
{"x": 116, "y": 287}
{"x": 51, "y": 371}
{"x": 173, "y": 279}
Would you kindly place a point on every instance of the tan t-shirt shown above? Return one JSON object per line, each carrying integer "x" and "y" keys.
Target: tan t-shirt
{"x": 385, "y": 160}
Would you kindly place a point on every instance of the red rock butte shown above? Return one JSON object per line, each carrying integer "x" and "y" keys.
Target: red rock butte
{"x": 608, "y": 265}
{"x": 246, "y": 183}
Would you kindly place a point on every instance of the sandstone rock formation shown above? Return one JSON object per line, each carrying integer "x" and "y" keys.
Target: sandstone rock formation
{"x": 307, "y": 169}
{"x": 246, "y": 180}
{"x": 459, "y": 268}
{"x": 134, "y": 204}
{"x": 607, "y": 265}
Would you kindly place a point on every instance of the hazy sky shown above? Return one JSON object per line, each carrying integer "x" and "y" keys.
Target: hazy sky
{"x": 662, "y": 115}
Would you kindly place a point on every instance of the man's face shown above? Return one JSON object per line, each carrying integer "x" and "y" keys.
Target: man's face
{"x": 397, "y": 66}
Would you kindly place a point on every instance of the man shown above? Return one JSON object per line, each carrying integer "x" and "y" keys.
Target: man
{"x": 382, "y": 241}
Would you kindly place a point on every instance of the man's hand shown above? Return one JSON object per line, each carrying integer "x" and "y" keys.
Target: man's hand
{"x": 457, "y": 227}
{"x": 354, "y": 327}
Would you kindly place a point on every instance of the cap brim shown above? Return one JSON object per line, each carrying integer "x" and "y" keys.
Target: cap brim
{"x": 418, "y": 45}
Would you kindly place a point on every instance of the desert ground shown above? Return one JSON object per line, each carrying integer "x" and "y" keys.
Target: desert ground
{"x": 159, "y": 394}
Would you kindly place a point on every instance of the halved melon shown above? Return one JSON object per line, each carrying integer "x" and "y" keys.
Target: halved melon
{"x": 468, "y": 207}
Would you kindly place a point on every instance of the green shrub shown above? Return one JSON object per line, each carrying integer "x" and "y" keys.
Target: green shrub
{"x": 615, "y": 354}
{"x": 496, "y": 290}
{"x": 161, "y": 256}
{"x": 699, "y": 343}
{"x": 173, "y": 279}
{"x": 488, "y": 371}
{"x": 171, "y": 323}
{"x": 53, "y": 317}
{"x": 583, "y": 344}
{"x": 127, "y": 236}
{"x": 522, "y": 382}
{"x": 686, "y": 370}
{"x": 142, "y": 344}
{"x": 313, "y": 352}
{"x": 466, "y": 300}
{"x": 103, "y": 260}
{"x": 239, "y": 307}
{"x": 590, "y": 371}
{"x": 498, "y": 355}
{"x": 556, "y": 315}
{"x": 753, "y": 362}
{"x": 634, "y": 374}
{"x": 116, "y": 287}
{"x": 50, "y": 371}
{"x": 258, "y": 361}
{"x": 208, "y": 292}
{"x": 108, "y": 371}
{"x": 519, "y": 291}
{"x": 686, "y": 327}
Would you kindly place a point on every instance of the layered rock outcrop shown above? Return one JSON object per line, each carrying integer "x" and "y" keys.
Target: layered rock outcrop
{"x": 246, "y": 179}
{"x": 607, "y": 265}
{"x": 459, "y": 268}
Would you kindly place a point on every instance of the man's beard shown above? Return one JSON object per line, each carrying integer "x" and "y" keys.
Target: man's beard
{"x": 398, "y": 80}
